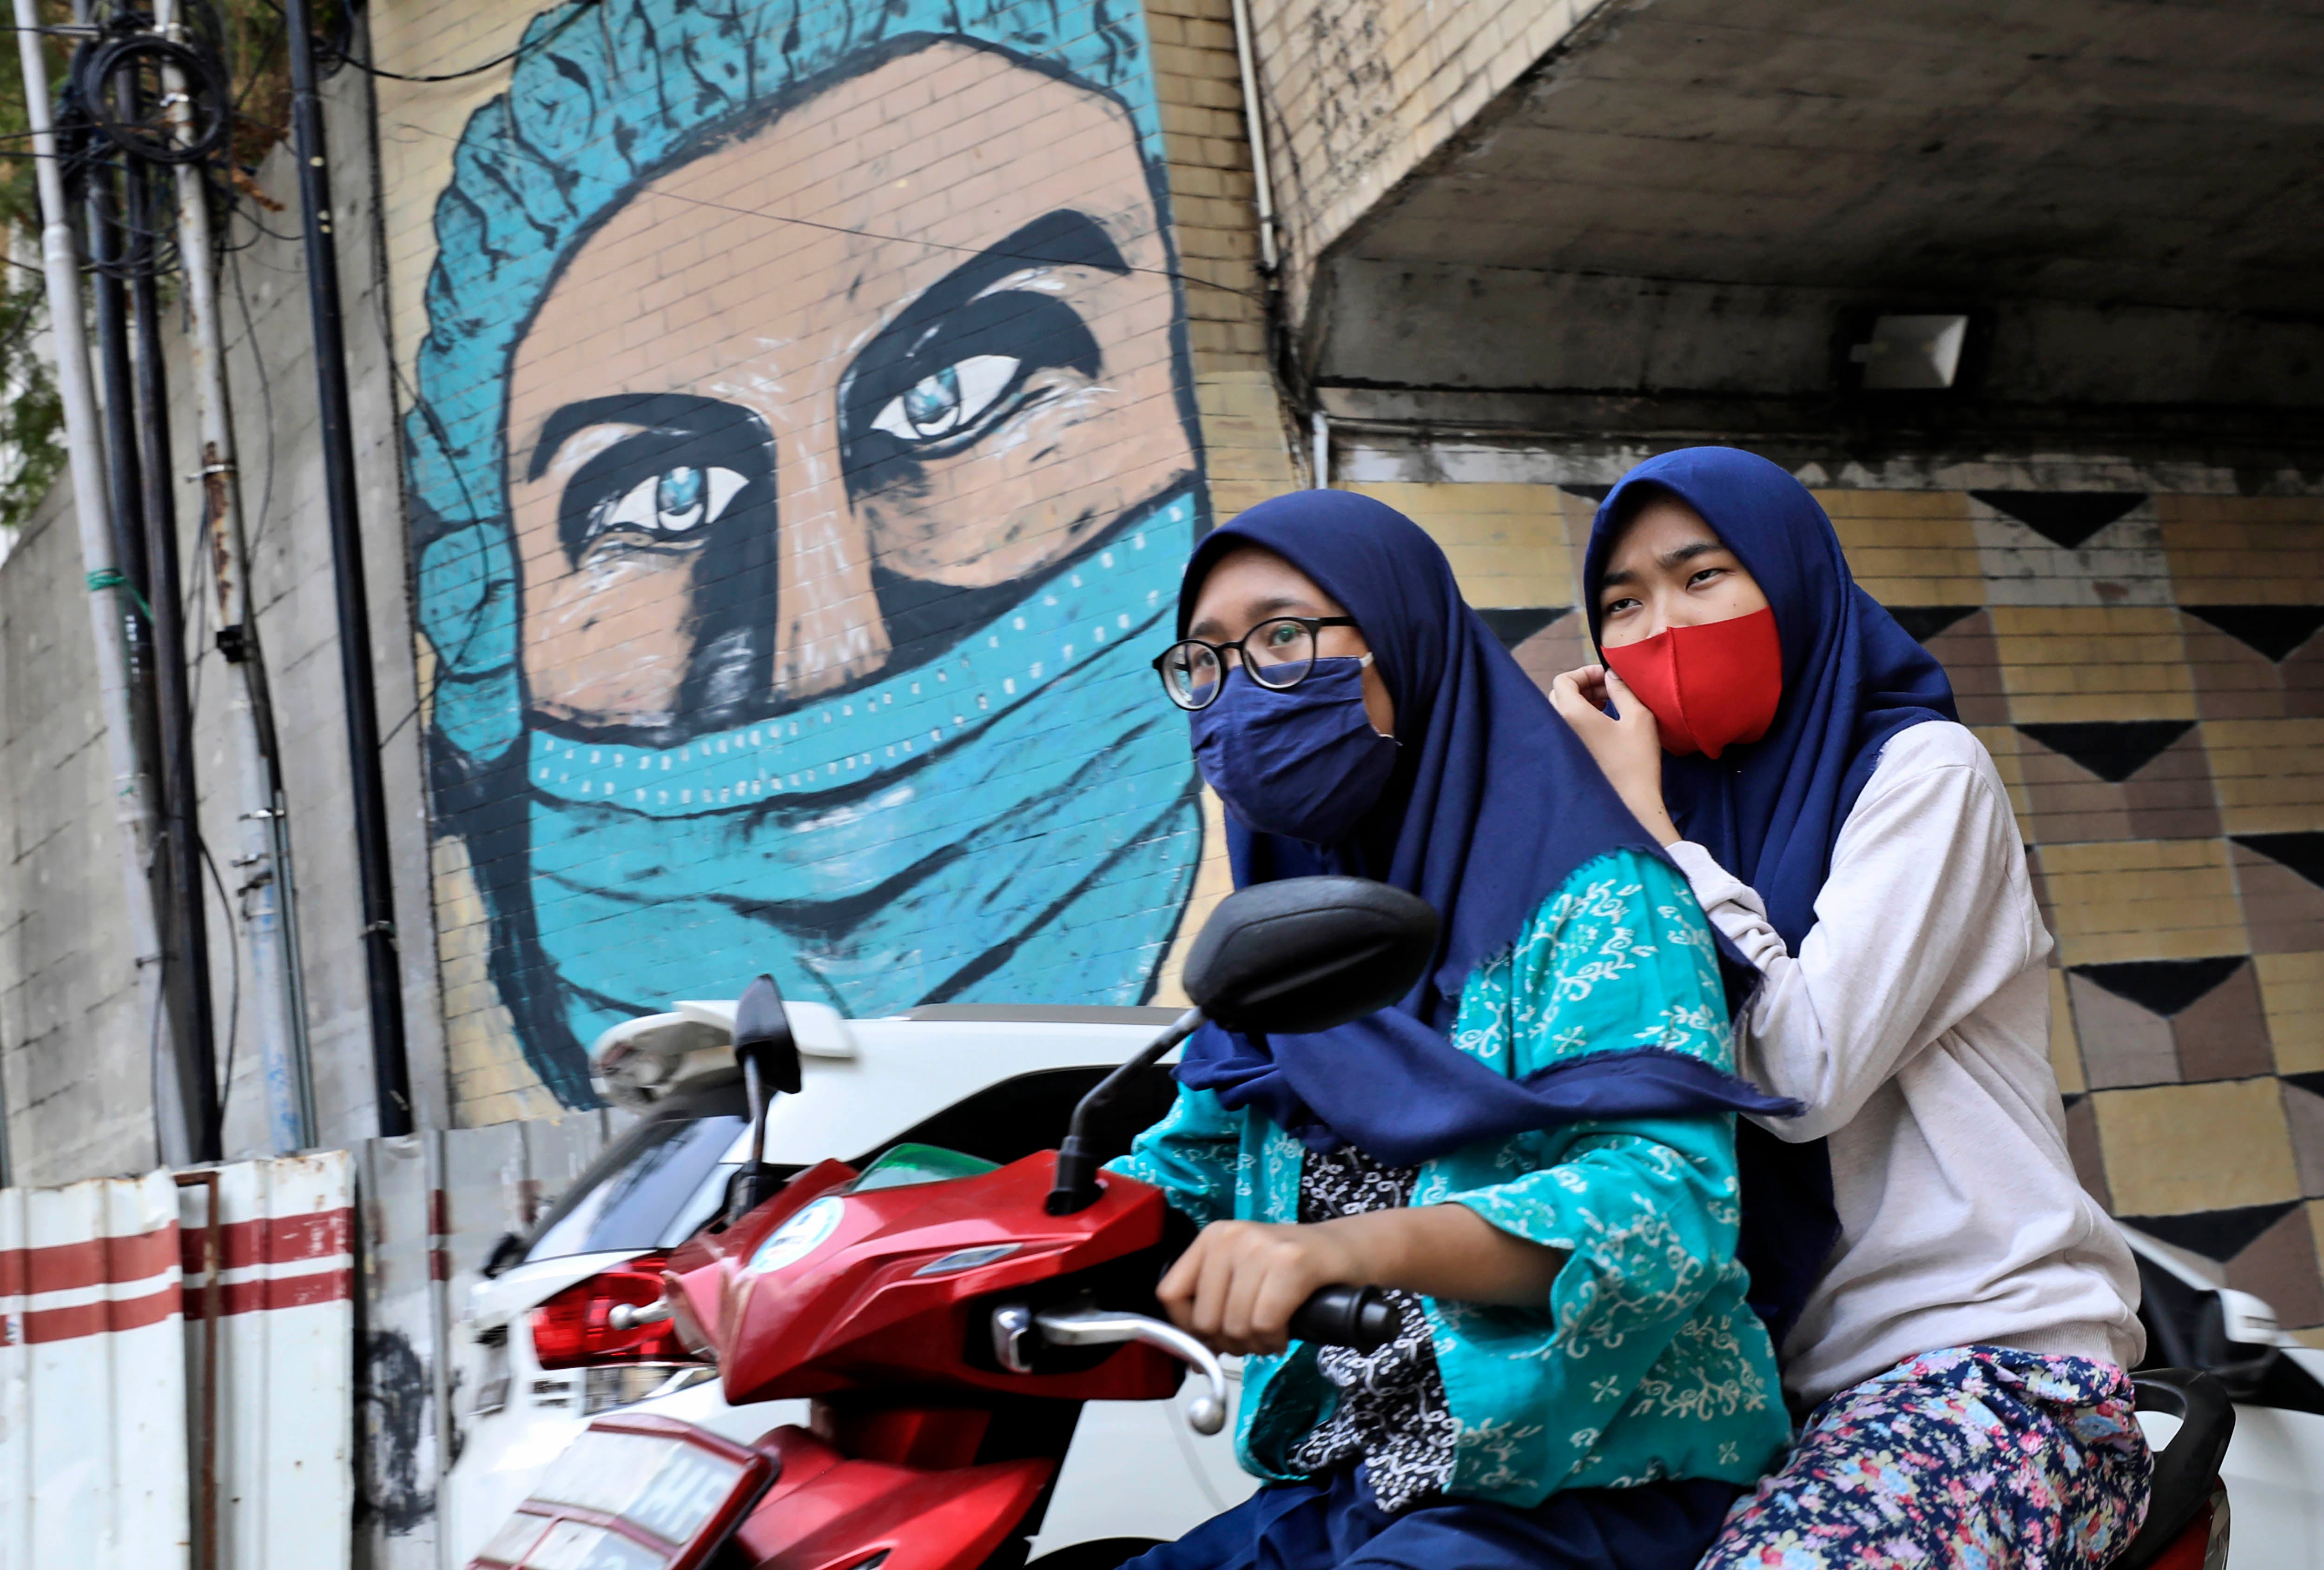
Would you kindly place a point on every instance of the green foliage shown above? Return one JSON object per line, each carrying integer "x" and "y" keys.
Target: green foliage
{"x": 32, "y": 416}
{"x": 248, "y": 34}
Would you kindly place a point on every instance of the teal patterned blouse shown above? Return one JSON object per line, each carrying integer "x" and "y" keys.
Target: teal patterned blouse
{"x": 1644, "y": 1362}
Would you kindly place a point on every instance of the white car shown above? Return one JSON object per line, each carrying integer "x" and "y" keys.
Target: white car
{"x": 995, "y": 1082}
{"x": 1000, "y": 1082}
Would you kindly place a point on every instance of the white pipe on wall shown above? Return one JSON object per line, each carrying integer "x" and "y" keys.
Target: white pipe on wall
{"x": 109, "y": 591}
{"x": 1256, "y": 131}
{"x": 268, "y": 905}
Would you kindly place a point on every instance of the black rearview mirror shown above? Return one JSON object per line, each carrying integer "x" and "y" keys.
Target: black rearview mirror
{"x": 1307, "y": 953}
{"x": 763, "y": 1033}
{"x": 1303, "y": 954}
{"x": 769, "y": 1059}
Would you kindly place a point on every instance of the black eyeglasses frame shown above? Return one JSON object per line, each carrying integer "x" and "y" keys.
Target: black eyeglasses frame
{"x": 1315, "y": 625}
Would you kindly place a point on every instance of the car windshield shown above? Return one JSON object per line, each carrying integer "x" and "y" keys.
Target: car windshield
{"x": 654, "y": 1189}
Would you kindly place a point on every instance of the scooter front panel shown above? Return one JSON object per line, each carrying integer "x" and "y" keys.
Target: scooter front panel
{"x": 827, "y": 1512}
{"x": 895, "y": 1287}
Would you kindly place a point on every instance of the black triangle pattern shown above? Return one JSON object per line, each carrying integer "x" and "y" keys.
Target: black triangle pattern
{"x": 2309, "y": 1082}
{"x": 2163, "y": 986}
{"x": 2274, "y": 630}
{"x": 2216, "y": 1234}
{"x": 1925, "y": 622}
{"x": 2063, "y": 517}
{"x": 1513, "y": 627}
{"x": 2113, "y": 749}
{"x": 1587, "y": 493}
{"x": 2303, "y": 853}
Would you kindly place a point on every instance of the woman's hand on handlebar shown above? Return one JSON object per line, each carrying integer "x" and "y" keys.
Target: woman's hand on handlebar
{"x": 1237, "y": 1288}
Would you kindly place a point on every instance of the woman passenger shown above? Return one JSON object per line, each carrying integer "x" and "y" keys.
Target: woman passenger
{"x": 1961, "y": 1354}
{"x": 1533, "y": 1152}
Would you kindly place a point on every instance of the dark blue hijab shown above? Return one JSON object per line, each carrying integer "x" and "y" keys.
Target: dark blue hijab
{"x": 1771, "y": 810}
{"x": 1493, "y": 804}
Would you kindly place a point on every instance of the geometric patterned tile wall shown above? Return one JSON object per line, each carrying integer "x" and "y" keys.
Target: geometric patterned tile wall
{"x": 2146, "y": 672}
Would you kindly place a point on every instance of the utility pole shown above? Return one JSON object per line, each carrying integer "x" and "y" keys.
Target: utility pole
{"x": 390, "y": 1069}
{"x": 268, "y": 910}
{"x": 108, "y": 605}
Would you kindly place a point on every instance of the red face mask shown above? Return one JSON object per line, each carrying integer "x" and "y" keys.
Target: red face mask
{"x": 1708, "y": 687}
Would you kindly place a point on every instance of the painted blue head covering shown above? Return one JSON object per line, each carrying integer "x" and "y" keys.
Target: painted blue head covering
{"x": 1494, "y": 803}
{"x": 1771, "y": 810}
{"x": 1000, "y": 815}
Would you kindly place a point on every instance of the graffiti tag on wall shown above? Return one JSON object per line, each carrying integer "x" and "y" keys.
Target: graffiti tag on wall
{"x": 803, "y": 454}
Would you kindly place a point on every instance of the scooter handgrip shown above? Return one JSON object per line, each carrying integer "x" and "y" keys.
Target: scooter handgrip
{"x": 1351, "y": 1316}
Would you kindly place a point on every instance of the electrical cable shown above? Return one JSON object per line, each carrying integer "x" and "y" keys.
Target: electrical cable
{"x": 234, "y": 993}
{"x": 266, "y": 405}
{"x": 343, "y": 58}
{"x": 547, "y": 164}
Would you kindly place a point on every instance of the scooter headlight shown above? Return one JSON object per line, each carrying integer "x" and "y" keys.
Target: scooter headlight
{"x": 800, "y": 1236}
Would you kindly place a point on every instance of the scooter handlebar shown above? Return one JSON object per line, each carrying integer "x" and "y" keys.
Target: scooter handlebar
{"x": 1359, "y": 1317}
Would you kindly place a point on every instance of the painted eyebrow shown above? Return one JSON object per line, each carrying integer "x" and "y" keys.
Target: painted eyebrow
{"x": 679, "y": 411}
{"x": 1063, "y": 238}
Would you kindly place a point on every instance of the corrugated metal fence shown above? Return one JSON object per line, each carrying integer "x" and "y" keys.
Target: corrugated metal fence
{"x": 175, "y": 1383}
{"x": 139, "y": 1430}
{"x": 93, "y": 1433}
{"x": 434, "y": 1204}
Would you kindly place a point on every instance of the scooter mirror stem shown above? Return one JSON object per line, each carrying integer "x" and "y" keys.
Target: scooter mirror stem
{"x": 1078, "y": 1158}
{"x": 770, "y": 1059}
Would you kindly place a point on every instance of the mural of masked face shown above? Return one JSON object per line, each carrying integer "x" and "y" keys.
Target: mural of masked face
{"x": 784, "y": 396}
{"x": 848, "y": 466}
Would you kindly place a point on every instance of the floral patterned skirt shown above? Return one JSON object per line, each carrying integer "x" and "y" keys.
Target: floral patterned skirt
{"x": 1965, "y": 1458}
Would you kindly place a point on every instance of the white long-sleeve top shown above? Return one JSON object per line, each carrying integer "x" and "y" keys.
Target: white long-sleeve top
{"x": 1913, "y": 1023}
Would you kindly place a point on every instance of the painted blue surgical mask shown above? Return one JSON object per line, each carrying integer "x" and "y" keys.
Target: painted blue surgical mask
{"x": 1304, "y": 762}
{"x": 1011, "y": 821}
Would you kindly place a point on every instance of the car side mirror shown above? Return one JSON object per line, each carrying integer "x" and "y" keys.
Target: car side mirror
{"x": 1306, "y": 954}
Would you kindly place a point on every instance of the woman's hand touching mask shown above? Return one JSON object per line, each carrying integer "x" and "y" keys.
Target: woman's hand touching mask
{"x": 1626, "y": 743}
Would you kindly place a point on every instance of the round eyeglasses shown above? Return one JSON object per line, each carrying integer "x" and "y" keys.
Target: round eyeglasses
{"x": 1279, "y": 653}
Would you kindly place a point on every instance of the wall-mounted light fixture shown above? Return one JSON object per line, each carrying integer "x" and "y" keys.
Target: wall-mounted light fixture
{"x": 1910, "y": 353}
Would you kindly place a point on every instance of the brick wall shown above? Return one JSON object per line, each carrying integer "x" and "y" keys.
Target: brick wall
{"x": 744, "y": 272}
{"x": 2144, "y": 670}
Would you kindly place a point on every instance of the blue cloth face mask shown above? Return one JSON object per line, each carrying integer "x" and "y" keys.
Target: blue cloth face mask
{"x": 1304, "y": 762}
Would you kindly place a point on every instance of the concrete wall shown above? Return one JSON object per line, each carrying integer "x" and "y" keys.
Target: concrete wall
{"x": 73, "y": 1064}
{"x": 1359, "y": 93}
{"x": 73, "y": 1057}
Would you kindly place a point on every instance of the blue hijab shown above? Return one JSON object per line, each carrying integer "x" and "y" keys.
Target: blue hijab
{"x": 1493, "y": 804}
{"x": 1770, "y": 811}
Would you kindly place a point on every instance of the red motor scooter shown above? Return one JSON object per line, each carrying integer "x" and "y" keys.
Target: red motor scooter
{"x": 949, "y": 1318}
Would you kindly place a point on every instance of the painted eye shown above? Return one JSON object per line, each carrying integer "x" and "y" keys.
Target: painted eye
{"x": 943, "y": 402}
{"x": 673, "y": 502}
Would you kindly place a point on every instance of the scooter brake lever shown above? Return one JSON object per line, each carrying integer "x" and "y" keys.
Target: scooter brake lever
{"x": 1205, "y": 1414}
